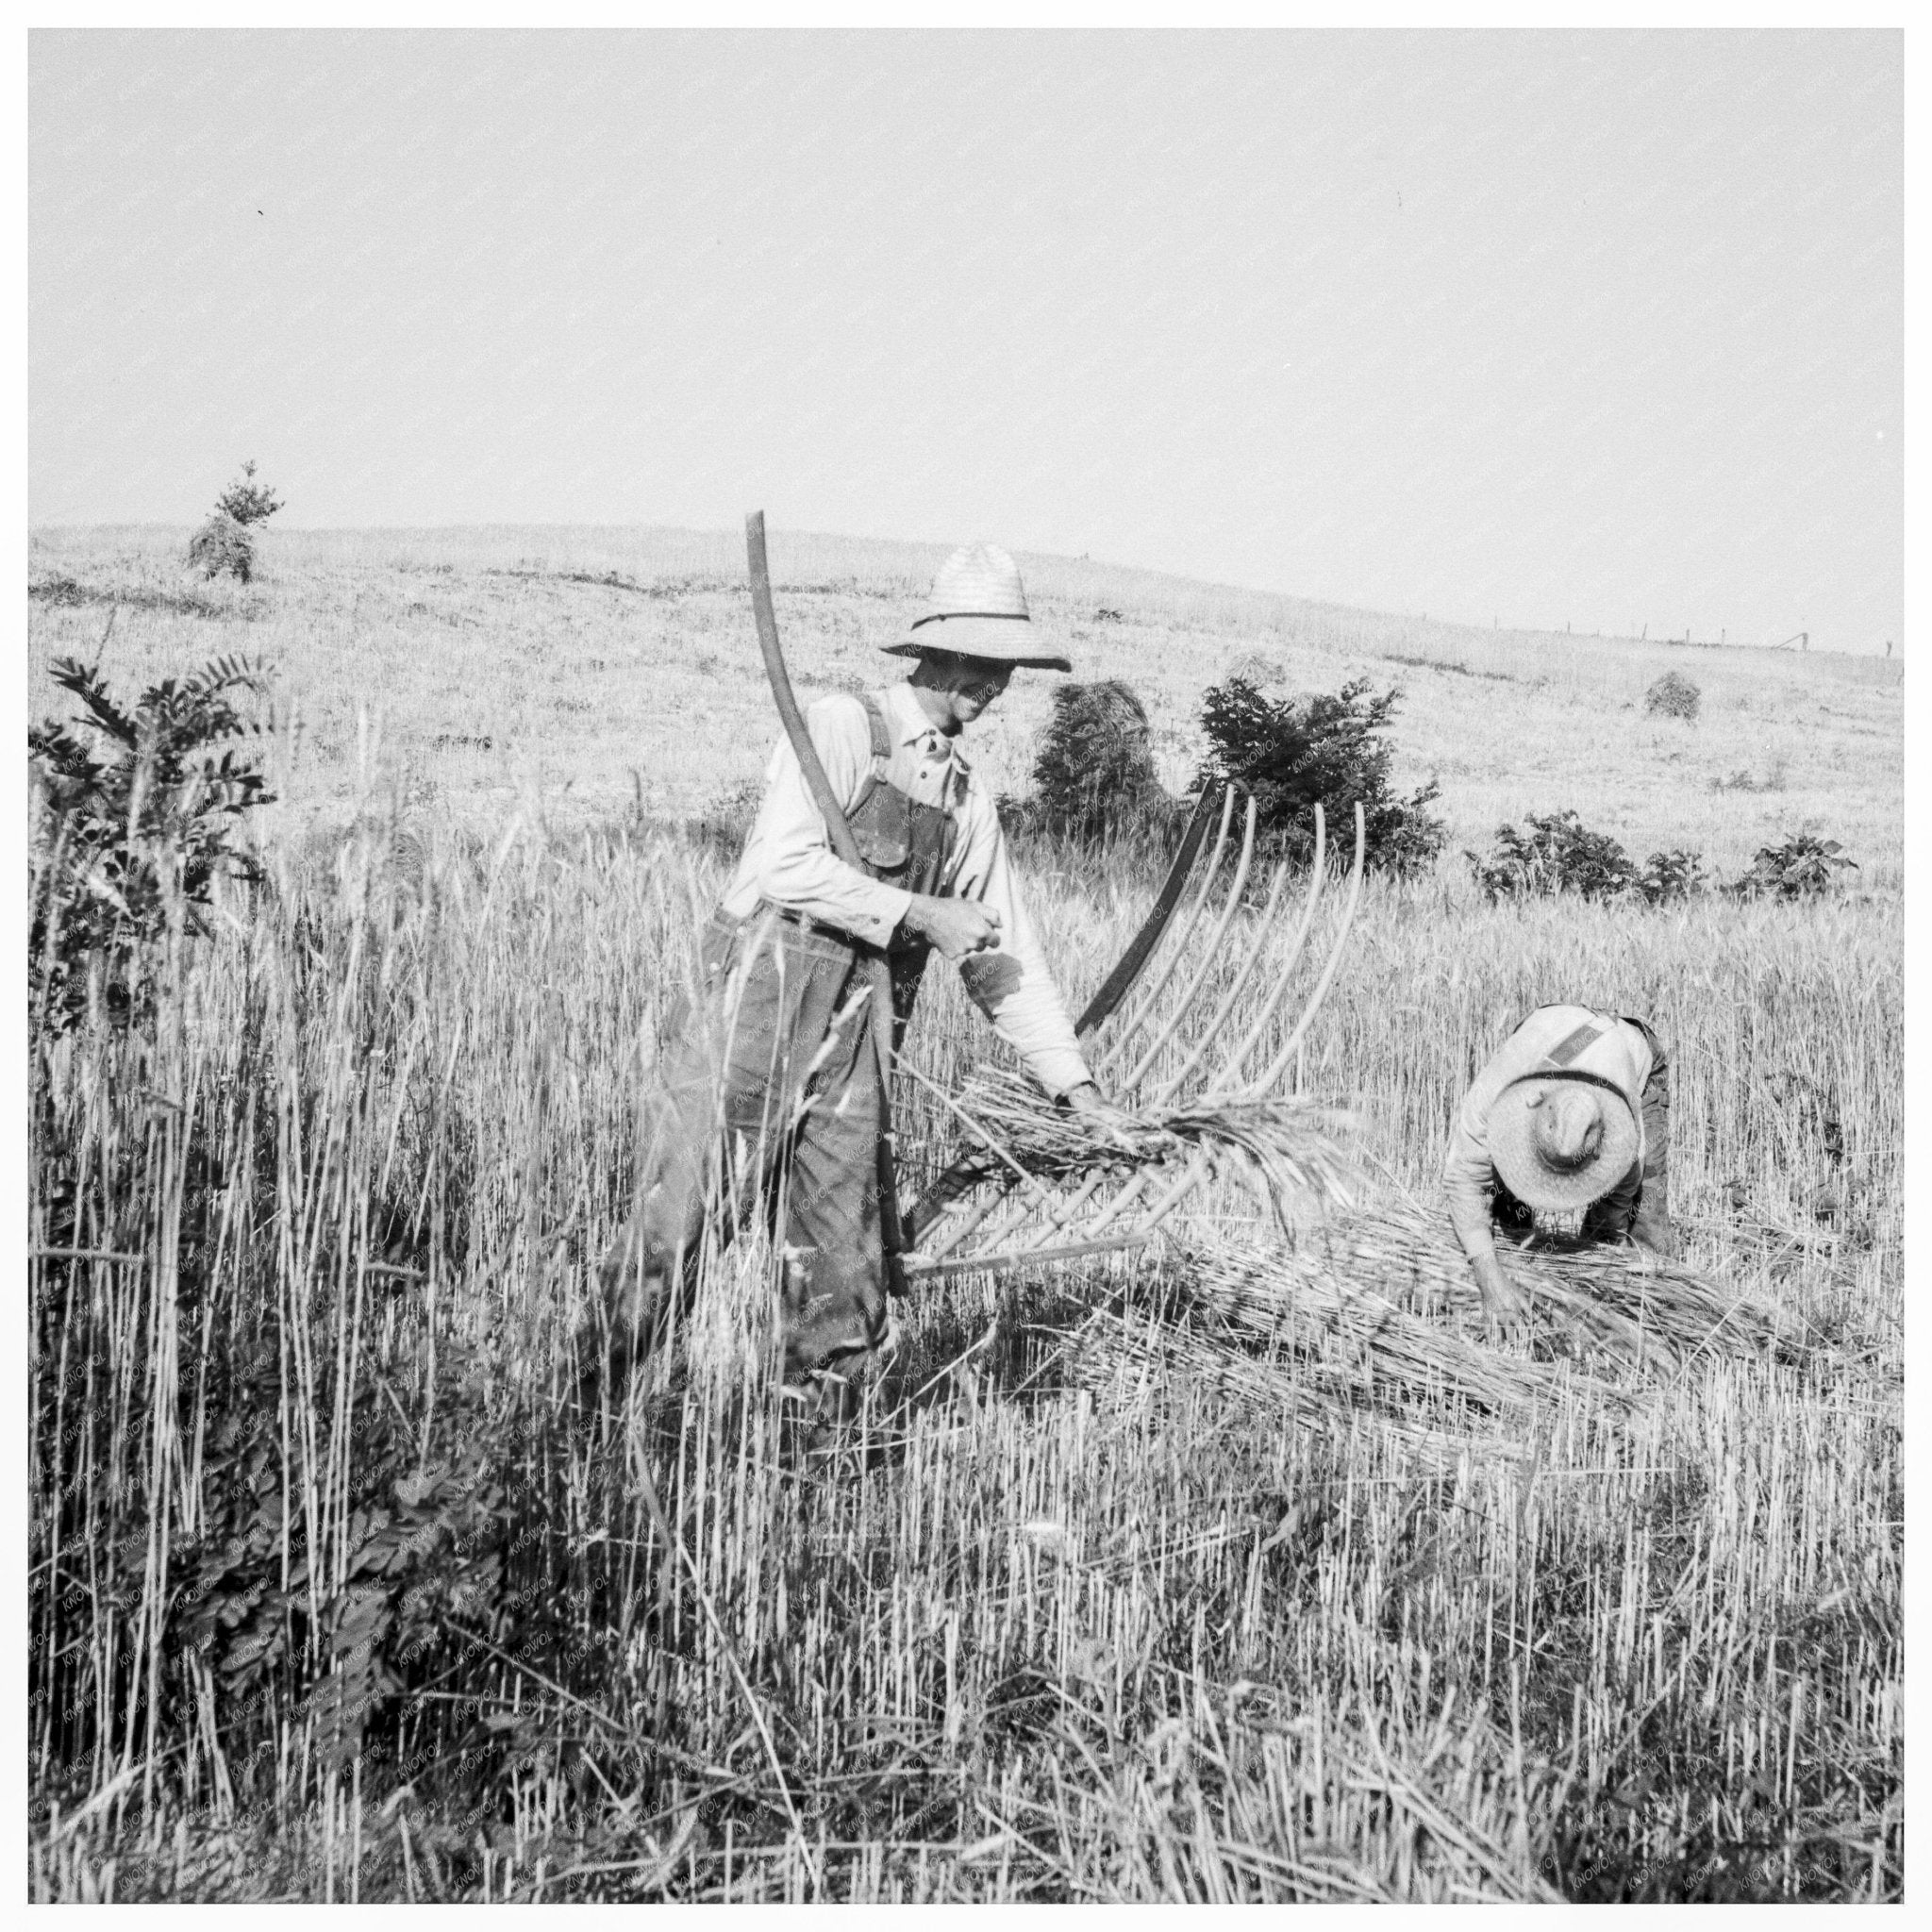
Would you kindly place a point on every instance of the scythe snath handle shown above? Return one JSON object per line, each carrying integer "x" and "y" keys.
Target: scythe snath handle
{"x": 879, "y": 967}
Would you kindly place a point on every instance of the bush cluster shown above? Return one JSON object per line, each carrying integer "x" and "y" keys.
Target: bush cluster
{"x": 1094, "y": 781}
{"x": 1094, "y": 785}
{"x": 1557, "y": 853}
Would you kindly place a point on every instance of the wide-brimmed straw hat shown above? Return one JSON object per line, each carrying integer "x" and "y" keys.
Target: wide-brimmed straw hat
{"x": 1560, "y": 1140}
{"x": 978, "y": 609}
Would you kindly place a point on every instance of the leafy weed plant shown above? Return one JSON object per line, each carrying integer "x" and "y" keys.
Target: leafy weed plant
{"x": 1801, "y": 866}
{"x": 132, "y": 820}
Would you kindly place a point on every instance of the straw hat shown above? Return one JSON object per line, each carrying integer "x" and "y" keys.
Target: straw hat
{"x": 978, "y": 609}
{"x": 1560, "y": 1140}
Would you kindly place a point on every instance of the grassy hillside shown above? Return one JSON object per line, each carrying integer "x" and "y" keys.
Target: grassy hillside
{"x": 335, "y": 1592}
{"x": 578, "y": 672}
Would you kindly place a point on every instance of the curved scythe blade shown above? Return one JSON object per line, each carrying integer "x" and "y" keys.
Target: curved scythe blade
{"x": 1120, "y": 982}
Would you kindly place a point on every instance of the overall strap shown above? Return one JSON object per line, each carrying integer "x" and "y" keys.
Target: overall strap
{"x": 881, "y": 737}
{"x": 881, "y": 746}
{"x": 1562, "y": 1058}
{"x": 1573, "y": 1045}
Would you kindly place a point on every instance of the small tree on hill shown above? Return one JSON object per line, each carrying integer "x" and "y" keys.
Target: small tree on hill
{"x": 226, "y": 542}
{"x": 1330, "y": 750}
{"x": 247, "y": 501}
{"x": 1093, "y": 775}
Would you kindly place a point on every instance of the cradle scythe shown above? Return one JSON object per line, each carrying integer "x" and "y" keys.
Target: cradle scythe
{"x": 976, "y": 1165}
{"x": 878, "y": 967}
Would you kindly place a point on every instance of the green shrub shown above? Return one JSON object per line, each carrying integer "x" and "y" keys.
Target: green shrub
{"x": 1803, "y": 866}
{"x": 429, "y": 1527}
{"x": 1328, "y": 749}
{"x": 1669, "y": 877}
{"x": 128, "y": 822}
{"x": 1557, "y": 853}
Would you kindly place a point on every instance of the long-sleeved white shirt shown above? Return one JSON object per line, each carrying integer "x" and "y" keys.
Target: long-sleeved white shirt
{"x": 1621, "y": 1054}
{"x": 789, "y": 861}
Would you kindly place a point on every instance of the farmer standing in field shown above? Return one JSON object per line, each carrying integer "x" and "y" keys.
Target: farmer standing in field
{"x": 776, "y": 1064}
{"x": 1571, "y": 1118}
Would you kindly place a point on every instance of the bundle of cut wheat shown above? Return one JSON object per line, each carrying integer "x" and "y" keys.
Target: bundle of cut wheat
{"x": 1277, "y": 1331}
{"x": 1378, "y": 1314}
{"x": 1581, "y": 1297}
{"x": 1287, "y": 1153}
{"x": 1349, "y": 1311}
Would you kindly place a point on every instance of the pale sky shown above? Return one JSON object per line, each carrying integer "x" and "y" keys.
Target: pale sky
{"x": 1596, "y": 329}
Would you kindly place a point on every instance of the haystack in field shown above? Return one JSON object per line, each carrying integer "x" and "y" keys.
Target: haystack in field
{"x": 223, "y": 545}
{"x": 1094, "y": 777}
{"x": 1674, "y": 696}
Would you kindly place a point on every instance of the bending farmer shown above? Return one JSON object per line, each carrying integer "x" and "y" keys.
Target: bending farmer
{"x": 776, "y": 1070}
{"x": 1568, "y": 1126}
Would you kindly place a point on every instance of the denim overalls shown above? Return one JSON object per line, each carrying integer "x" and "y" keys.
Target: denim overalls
{"x": 779, "y": 1053}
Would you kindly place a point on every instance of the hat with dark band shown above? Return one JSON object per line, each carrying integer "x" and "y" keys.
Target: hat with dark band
{"x": 1560, "y": 1140}
{"x": 978, "y": 609}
